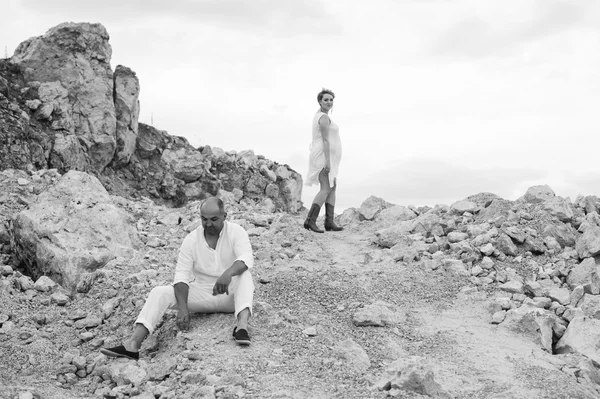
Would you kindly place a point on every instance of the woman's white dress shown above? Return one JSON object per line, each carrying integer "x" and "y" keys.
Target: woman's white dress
{"x": 316, "y": 159}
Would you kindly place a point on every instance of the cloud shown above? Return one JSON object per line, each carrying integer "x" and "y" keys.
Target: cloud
{"x": 279, "y": 17}
{"x": 502, "y": 25}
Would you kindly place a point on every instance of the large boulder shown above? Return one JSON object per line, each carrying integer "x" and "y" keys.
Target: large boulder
{"x": 71, "y": 62}
{"x": 72, "y": 228}
{"x": 559, "y": 207}
{"x": 589, "y": 243}
{"x": 535, "y": 323}
{"x": 372, "y": 206}
{"x": 583, "y": 273}
{"x": 582, "y": 336}
{"x": 538, "y": 194}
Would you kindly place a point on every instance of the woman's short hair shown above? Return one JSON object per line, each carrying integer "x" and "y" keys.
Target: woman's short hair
{"x": 323, "y": 92}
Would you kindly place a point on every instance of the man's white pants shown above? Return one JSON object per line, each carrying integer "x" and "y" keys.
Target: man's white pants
{"x": 200, "y": 300}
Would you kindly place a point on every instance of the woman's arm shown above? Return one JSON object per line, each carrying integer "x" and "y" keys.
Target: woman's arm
{"x": 324, "y": 123}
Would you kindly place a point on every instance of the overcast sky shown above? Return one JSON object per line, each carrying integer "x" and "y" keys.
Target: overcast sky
{"x": 436, "y": 99}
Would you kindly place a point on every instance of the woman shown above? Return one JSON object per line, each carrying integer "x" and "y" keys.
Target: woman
{"x": 324, "y": 163}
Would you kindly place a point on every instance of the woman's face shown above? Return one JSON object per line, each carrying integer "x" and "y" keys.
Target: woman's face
{"x": 326, "y": 102}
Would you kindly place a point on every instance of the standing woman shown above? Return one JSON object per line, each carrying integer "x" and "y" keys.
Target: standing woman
{"x": 323, "y": 163}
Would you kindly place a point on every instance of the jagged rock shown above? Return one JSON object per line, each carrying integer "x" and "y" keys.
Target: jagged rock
{"x": 576, "y": 295}
{"x": 109, "y": 306}
{"x": 460, "y": 207}
{"x": 126, "y": 372}
{"x": 582, "y": 336}
{"x": 552, "y": 244}
{"x": 60, "y": 298}
{"x": 354, "y": 355}
{"x": 515, "y": 233}
{"x": 75, "y": 57}
{"x": 588, "y": 244}
{"x": 498, "y": 209}
{"x": 535, "y": 288}
{"x": 535, "y": 245}
{"x": 88, "y": 322}
{"x": 25, "y": 283}
{"x": 378, "y": 314}
{"x": 455, "y": 266}
{"x": 488, "y": 249}
{"x": 582, "y": 273}
{"x": 127, "y": 109}
{"x": 498, "y": 317}
{"x": 560, "y": 295}
{"x": 44, "y": 284}
{"x": 414, "y": 375}
{"x": 505, "y": 245}
{"x": 590, "y": 304}
{"x": 372, "y": 206}
{"x": 73, "y": 227}
{"x": 160, "y": 370}
{"x": 562, "y": 233}
{"x": 532, "y": 322}
{"x": 560, "y": 208}
{"x": 513, "y": 286}
{"x": 538, "y": 194}
{"x": 393, "y": 235}
{"x": 350, "y": 215}
{"x": 428, "y": 224}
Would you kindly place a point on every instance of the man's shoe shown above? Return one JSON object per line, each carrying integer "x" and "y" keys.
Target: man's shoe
{"x": 120, "y": 351}
{"x": 241, "y": 336}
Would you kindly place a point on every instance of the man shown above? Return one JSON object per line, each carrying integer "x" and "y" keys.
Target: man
{"x": 211, "y": 276}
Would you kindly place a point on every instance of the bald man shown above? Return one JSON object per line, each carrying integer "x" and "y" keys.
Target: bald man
{"x": 212, "y": 275}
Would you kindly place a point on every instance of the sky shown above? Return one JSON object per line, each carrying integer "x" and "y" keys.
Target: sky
{"x": 436, "y": 100}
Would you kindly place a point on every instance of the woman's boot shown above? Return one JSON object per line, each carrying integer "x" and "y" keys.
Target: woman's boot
{"x": 311, "y": 219}
{"x": 329, "y": 223}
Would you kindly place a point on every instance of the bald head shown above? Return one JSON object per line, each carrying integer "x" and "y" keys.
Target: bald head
{"x": 214, "y": 204}
{"x": 212, "y": 215}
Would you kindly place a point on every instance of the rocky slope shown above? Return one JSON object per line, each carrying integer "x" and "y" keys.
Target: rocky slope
{"x": 485, "y": 298}
{"x": 62, "y": 107}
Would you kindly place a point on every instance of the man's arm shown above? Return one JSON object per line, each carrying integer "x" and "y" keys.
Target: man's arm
{"x": 222, "y": 284}
{"x": 181, "y": 296}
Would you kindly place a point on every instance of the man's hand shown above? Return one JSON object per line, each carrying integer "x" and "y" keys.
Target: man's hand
{"x": 183, "y": 319}
{"x": 222, "y": 284}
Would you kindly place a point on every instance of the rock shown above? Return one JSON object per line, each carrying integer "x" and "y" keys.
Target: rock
{"x": 590, "y": 304}
{"x": 394, "y": 214}
{"x": 560, "y": 295}
{"x": 560, "y": 208}
{"x": 538, "y": 194}
{"x": 60, "y": 298}
{"x": 456, "y": 236}
{"x": 372, "y": 206}
{"x": 378, "y": 314}
{"x": 394, "y": 235}
{"x": 536, "y": 289}
{"x": 455, "y": 266}
{"x": 576, "y": 295}
{"x": 160, "y": 370}
{"x": 498, "y": 317}
{"x": 515, "y": 233}
{"x": 460, "y": 207}
{"x": 88, "y": 322}
{"x": 412, "y": 375}
{"x": 488, "y": 249}
{"x": 126, "y": 372}
{"x": 582, "y": 336}
{"x": 310, "y": 331}
{"x": 582, "y": 273}
{"x": 109, "y": 306}
{"x": 535, "y": 323}
{"x": 354, "y": 355}
{"x": 193, "y": 378}
{"x": 505, "y": 245}
{"x": 127, "y": 109}
{"x": 44, "y": 284}
{"x": 6, "y": 270}
{"x": 588, "y": 245}
{"x": 78, "y": 80}
{"x": 513, "y": 286}
{"x": 25, "y": 283}
{"x": 350, "y": 215}
{"x": 71, "y": 228}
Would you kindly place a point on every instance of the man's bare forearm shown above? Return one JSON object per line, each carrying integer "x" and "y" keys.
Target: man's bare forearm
{"x": 181, "y": 295}
{"x": 237, "y": 268}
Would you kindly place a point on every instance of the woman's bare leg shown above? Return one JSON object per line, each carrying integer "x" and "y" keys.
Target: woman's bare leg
{"x": 325, "y": 190}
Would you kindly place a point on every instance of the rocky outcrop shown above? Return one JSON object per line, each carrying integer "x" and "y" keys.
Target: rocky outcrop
{"x": 69, "y": 66}
{"x": 71, "y": 229}
{"x": 62, "y": 107}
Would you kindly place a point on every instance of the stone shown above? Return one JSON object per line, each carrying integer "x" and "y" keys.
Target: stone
{"x": 460, "y": 207}
{"x": 582, "y": 273}
{"x": 455, "y": 266}
{"x": 562, "y": 233}
{"x": 515, "y": 233}
{"x": 349, "y": 216}
{"x": 6, "y": 270}
{"x": 535, "y": 288}
{"x": 353, "y": 354}
{"x": 560, "y": 208}
{"x": 310, "y": 331}
{"x": 126, "y": 372}
{"x": 498, "y": 317}
{"x": 60, "y": 298}
{"x": 582, "y": 336}
{"x": 456, "y": 236}
{"x": 378, "y": 314}
{"x": 535, "y": 323}
{"x": 44, "y": 284}
{"x": 590, "y": 304}
{"x": 193, "y": 378}
{"x": 73, "y": 227}
{"x": 538, "y": 194}
{"x": 506, "y": 245}
{"x": 372, "y": 206}
{"x": 576, "y": 295}
{"x": 488, "y": 249}
{"x": 77, "y": 79}
{"x": 588, "y": 245}
{"x": 88, "y": 322}
{"x": 158, "y": 371}
{"x": 412, "y": 375}
{"x": 109, "y": 306}
{"x": 25, "y": 283}
{"x": 486, "y": 263}
{"x": 560, "y": 295}
{"x": 513, "y": 286}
